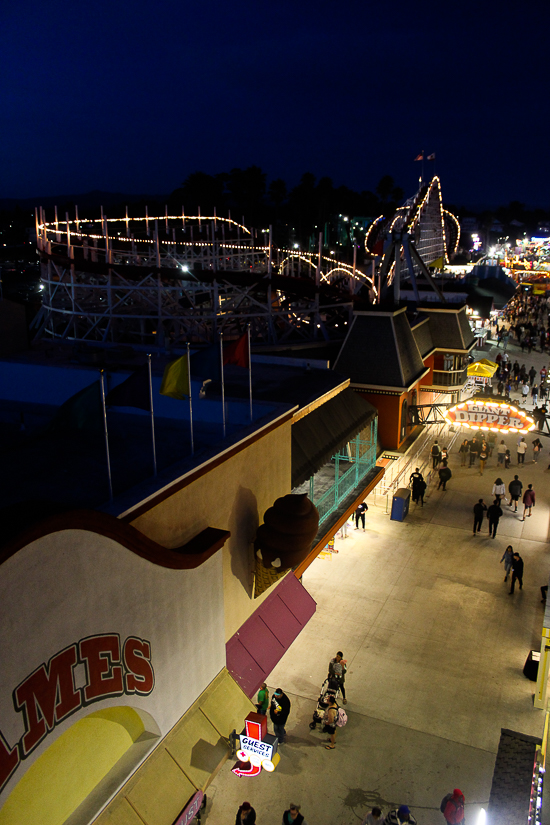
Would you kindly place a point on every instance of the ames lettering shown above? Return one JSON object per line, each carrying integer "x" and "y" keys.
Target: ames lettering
{"x": 49, "y": 695}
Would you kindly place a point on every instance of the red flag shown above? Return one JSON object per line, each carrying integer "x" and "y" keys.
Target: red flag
{"x": 237, "y": 352}
{"x": 420, "y": 156}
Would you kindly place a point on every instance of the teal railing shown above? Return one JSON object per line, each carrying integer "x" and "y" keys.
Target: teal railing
{"x": 360, "y": 456}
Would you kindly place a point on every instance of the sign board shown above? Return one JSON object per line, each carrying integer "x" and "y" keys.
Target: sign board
{"x": 498, "y": 417}
{"x": 191, "y": 809}
{"x": 258, "y": 748}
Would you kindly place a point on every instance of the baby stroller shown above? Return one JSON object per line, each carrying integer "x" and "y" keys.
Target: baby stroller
{"x": 330, "y": 687}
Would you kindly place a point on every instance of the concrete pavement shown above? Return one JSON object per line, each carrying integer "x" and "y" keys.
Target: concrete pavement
{"x": 435, "y": 649}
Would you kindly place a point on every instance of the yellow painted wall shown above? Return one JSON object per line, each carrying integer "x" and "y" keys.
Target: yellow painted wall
{"x": 61, "y": 779}
{"x": 234, "y": 497}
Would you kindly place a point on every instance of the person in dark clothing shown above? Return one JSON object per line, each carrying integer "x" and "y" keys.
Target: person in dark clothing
{"x": 517, "y": 573}
{"x": 514, "y": 488}
{"x": 494, "y": 513}
{"x": 246, "y": 815}
{"x": 444, "y": 476}
{"x": 474, "y": 450}
{"x": 278, "y": 713}
{"x": 360, "y": 515}
{"x": 532, "y": 373}
{"x": 418, "y": 490}
{"x": 479, "y": 512}
{"x": 293, "y": 816}
{"x": 436, "y": 454}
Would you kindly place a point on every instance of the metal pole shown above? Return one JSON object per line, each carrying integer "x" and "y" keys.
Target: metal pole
{"x": 190, "y": 399}
{"x": 250, "y": 373}
{"x": 223, "y": 387}
{"x": 102, "y": 384}
{"x": 152, "y": 415}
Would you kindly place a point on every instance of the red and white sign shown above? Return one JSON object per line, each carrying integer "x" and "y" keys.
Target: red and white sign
{"x": 258, "y": 748}
{"x": 489, "y": 415}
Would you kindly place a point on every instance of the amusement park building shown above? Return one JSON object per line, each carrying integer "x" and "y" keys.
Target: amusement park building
{"x": 134, "y": 636}
{"x": 399, "y": 361}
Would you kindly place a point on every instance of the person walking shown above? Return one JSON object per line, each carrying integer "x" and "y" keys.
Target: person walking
{"x": 444, "y": 475}
{"x": 337, "y": 670}
{"x": 436, "y": 454}
{"x": 474, "y": 449}
{"x": 360, "y": 515}
{"x": 463, "y": 450}
{"x": 534, "y": 394}
{"x": 399, "y": 816}
{"x": 479, "y": 511}
{"x": 278, "y": 713}
{"x": 483, "y": 456}
{"x": 262, "y": 699}
{"x": 521, "y": 450}
{"x": 507, "y": 558}
{"x": 514, "y": 488}
{"x": 246, "y": 815}
{"x": 501, "y": 451}
{"x": 537, "y": 447}
{"x": 493, "y": 514}
{"x": 525, "y": 392}
{"x": 532, "y": 375}
{"x": 292, "y": 816}
{"x": 517, "y": 573}
{"x": 528, "y": 500}
{"x": 330, "y": 717}
{"x": 499, "y": 490}
{"x": 452, "y": 807}
{"x": 418, "y": 488}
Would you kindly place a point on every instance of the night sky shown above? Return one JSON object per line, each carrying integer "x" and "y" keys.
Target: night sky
{"x": 133, "y": 97}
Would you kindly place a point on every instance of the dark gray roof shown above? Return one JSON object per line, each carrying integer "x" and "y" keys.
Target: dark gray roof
{"x": 511, "y": 788}
{"x": 422, "y": 335}
{"x": 450, "y": 328}
{"x": 380, "y": 350}
{"x": 319, "y": 435}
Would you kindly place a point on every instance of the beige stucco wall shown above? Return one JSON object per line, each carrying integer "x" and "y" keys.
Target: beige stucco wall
{"x": 231, "y": 496}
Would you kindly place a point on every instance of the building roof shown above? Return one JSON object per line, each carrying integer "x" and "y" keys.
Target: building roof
{"x": 512, "y": 778}
{"x": 450, "y": 328}
{"x": 318, "y": 436}
{"x": 380, "y": 350}
{"x": 420, "y": 326}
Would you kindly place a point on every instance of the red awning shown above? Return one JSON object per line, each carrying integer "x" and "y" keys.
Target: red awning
{"x": 260, "y": 642}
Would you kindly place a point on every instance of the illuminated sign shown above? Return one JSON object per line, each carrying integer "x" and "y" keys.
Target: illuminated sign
{"x": 489, "y": 415}
{"x": 258, "y": 748}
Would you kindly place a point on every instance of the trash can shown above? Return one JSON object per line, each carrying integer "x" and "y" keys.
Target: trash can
{"x": 531, "y": 666}
{"x": 400, "y": 504}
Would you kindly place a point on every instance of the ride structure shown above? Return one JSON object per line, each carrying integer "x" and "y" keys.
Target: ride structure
{"x": 171, "y": 279}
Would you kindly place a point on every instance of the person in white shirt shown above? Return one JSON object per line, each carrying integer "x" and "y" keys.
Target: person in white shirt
{"x": 521, "y": 450}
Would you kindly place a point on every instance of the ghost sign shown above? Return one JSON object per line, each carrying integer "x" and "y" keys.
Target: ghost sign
{"x": 489, "y": 415}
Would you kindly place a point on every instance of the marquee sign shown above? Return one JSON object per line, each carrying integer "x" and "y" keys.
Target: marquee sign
{"x": 489, "y": 415}
{"x": 258, "y": 748}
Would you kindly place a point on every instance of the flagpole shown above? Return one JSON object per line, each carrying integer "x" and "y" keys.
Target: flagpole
{"x": 190, "y": 399}
{"x": 250, "y": 374}
{"x": 223, "y": 383}
{"x": 422, "y": 180}
{"x": 152, "y": 416}
{"x": 102, "y": 382}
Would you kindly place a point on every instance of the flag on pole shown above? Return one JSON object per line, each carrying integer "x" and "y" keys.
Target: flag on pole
{"x": 82, "y": 411}
{"x": 175, "y": 381}
{"x": 420, "y": 156}
{"x": 133, "y": 392}
{"x": 432, "y": 156}
{"x": 237, "y": 352}
{"x": 439, "y": 263}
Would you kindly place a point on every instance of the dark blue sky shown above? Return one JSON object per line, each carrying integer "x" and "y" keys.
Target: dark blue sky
{"x": 134, "y": 96}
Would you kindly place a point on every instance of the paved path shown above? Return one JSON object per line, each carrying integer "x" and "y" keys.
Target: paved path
{"x": 435, "y": 649}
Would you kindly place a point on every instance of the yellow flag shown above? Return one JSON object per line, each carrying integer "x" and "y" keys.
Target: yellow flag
{"x": 175, "y": 381}
{"x": 439, "y": 263}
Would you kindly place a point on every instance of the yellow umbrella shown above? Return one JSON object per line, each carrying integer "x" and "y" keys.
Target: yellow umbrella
{"x": 482, "y": 370}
